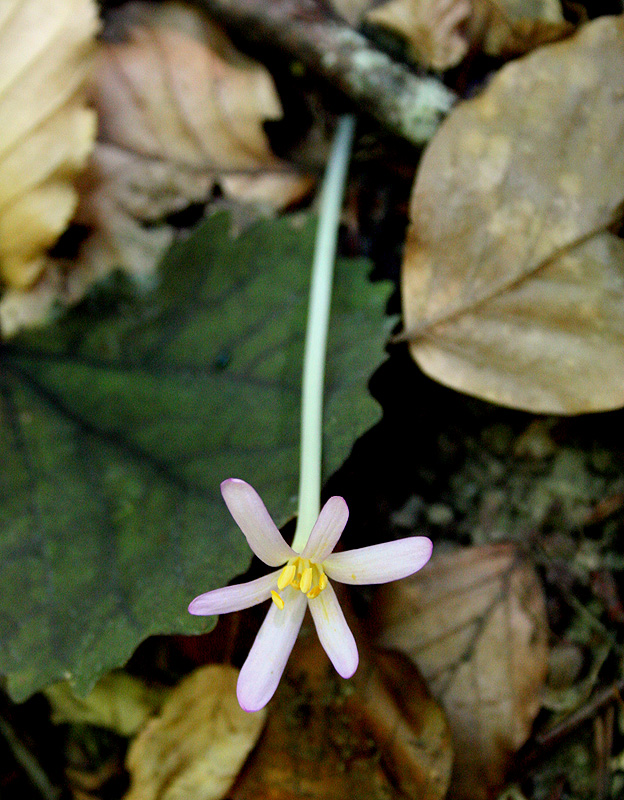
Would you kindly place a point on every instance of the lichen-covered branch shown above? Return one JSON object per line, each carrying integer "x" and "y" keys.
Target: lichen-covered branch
{"x": 408, "y": 105}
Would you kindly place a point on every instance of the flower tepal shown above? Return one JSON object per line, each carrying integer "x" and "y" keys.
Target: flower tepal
{"x": 303, "y": 580}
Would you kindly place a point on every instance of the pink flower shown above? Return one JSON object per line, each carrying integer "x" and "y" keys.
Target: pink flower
{"x": 302, "y": 581}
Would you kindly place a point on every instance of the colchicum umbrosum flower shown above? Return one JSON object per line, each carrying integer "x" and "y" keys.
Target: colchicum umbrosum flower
{"x": 303, "y": 580}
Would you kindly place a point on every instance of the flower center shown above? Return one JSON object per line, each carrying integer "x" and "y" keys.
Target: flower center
{"x": 302, "y": 574}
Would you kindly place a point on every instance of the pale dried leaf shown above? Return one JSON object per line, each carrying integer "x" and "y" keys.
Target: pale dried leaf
{"x": 434, "y": 29}
{"x": 119, "y": 702}
{"x": 515, "y": 10}
{"x": 25, "y": 308}
{"x": 264, "y": 189}
{"x": 117, "y": 209}
{"x": 511, "y": 27}
{"x": 513, "y": 284}
{"x": 196, "y": 746}
{"x": 474, "y": 623}
{"x": 439, "y": 33}
{"x": 180, "y": 111}
{"x": 46, "y": 130}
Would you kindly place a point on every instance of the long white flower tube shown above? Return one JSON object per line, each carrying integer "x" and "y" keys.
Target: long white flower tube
{"x": 315, "y": 351}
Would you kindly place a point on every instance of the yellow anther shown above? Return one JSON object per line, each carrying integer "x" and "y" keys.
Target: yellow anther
{"x": 286, "y": 576}
{"x": 306, "y": 580}
{"x": 303, "y": 575}
{"x": 277, "y": 600}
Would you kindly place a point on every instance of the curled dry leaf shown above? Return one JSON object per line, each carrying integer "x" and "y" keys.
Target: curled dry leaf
{"x": 180, "y": 110}
{"x": 513, "y": 283}
{"x": 46, "y": 130}
{"x": 440, "y": 32}
{"x": 408, "y": 725}
{"x": 196, "y": 746}
{"x": 311, "y": 748}
{"x": 435, "y": 30}
{"x": 332, "y": 739}
{"x": 474, "y": 623}
{"x": 511, "y": 27}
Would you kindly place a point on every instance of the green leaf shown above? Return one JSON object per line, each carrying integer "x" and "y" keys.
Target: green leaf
{"x": 119, "y": 423}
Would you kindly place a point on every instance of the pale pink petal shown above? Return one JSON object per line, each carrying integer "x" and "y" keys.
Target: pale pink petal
{"x": 379, "y": 563}
{"x": 233, "y": 598}
{"x": 255, "y": 522}
{"x": 333, "y": 632}
{"x": 267, "y": 658}
{"x": 327, "y": 529}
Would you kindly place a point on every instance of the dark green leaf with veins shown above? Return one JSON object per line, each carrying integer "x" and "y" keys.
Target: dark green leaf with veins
{"x": 119, "y": 423}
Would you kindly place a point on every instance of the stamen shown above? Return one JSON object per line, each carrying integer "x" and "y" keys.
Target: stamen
{"x": 306, "y": 580}
{"x": 277, "y": 600}
{"x": 303, "y": 575}
{"x": 286, "y": 576}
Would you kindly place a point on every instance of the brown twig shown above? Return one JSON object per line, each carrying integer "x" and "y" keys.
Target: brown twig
{"x": 408, "y": 105}
{"x": 603, "y": 742}
{"x": 543, "y": 741}
{"x": 589, "y": 710}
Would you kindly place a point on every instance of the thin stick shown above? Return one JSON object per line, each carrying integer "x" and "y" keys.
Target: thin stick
{"x": 592, "y": 707}
{"x": 407, "y": 104}
{"x": 29, "y": 763}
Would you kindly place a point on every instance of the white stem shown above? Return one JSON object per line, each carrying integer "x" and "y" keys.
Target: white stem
{"x": 332, "y": 194}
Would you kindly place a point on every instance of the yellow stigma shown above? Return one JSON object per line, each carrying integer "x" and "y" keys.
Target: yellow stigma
{"x": 303, "y": 575}
{"x": 277, "y": 600}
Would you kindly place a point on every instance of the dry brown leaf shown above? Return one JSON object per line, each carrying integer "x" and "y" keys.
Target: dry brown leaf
{"x": 409, "y": 727}
{"x": 513, "y": 284}
{"x": 511, "y": 27}
{"x": 474, "y": 623}
{"x": 330, "y": 739}
{"x": 46, "y": 130}
{"x": 440, "y": 32}
{"x": 180, "y": 110}
{"x": 312, "y": 748}
{"x": 195, "y": 748}
{"x": 434, "y": 29}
